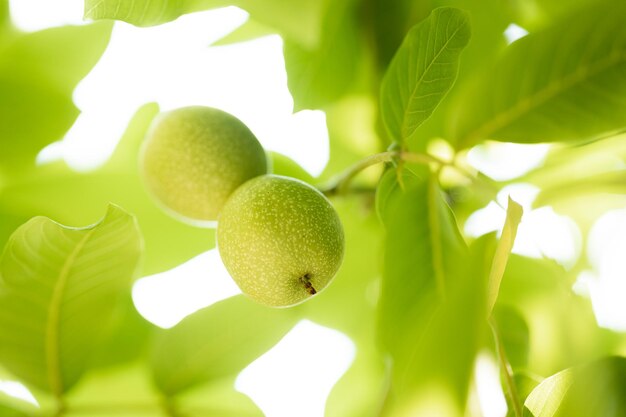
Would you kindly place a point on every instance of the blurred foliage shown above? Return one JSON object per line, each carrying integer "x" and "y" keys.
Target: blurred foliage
{"x": 216, "y": 342}
{"x": 414, "y": 294}
{"x": 38, "y": 72}
{"x": 529, "y": 96}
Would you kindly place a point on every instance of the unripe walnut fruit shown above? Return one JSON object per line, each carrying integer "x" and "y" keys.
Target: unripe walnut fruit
{"x": 280, "y": 239}
{"x": 193, "y": 158}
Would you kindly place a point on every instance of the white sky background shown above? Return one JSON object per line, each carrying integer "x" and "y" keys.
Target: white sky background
{"x": 173, "y": 65}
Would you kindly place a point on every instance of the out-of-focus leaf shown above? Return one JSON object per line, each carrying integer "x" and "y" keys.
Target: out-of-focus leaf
{"x": 594, "y": 389}
{"x": 352, "y": 133}
{"x": 5, "y": 18}
{"x": 137, "y": 12}
{"x": 283, "y": 165}
{"x": 216, "y": 342}
{"x": 535, "y": 14}
{"x": 566, "y": 163}
{"x": 251, "y": 29}
{"x": 525, "y": 384}
{"x": 6, "y": 411}
{"x": 582, "y": 182}
{"x": 15, "y": 407}
{"x": 423, "y": 70}
{"x": 321, "y": 74}
{"x": 56, "y": 282}
{"x": 295, "y": 20}
{"x": 388, "y": 23}
{"x": 70, "y": 197}
{"x": 565, "y": 83}
{"x": 562, "y": 326}
{"x": 509, "y": 231}
{"x": 122, "y": 391}
{"x": 432, "y": 305}
{"x": 364, "y": 383}
{"x": 217, "y": 398}
{"x": 38, "y": 72}
{"x": 613, "y": 182}
{"x": 514, "y": 335}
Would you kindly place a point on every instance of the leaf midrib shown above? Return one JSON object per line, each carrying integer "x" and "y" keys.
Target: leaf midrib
{"x": 52, "y": 344}
{"x": 421, "y": 79}
{"x": 540, "y": 97}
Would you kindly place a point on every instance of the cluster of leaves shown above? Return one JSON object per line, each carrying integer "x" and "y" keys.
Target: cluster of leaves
{"x": 402, "y": 72}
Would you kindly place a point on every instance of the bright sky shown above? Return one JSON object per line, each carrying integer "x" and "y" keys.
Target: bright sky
{"x": 173, "y": 65}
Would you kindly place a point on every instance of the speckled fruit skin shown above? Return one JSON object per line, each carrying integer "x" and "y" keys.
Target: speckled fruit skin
{"x": 276, "y": 234}
{"x": 193, "y": 158}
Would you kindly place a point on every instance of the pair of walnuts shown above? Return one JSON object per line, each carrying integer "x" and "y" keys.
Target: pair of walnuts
{"x": 280, "y": 239}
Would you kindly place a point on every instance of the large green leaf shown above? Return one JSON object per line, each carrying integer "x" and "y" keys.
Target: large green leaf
{"x": 216, "y": 342}
{"x": 565, "y": 83}
{"x": 423, "y": 70}
{"x": 488, "y": 24}
{"x": 595, "y": 389}
{"x": 319, "y": 75}
{"x": 70, "y": 197}
{"x": 432, "y": 304}
{"x": 298, "y": 21}
{"x": 56, "y": 282}
{"x": 38, "y": 72}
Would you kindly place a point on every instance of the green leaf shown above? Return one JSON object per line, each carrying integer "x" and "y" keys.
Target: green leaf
{"x": 298, "y": 21}
{"x": 319, "y": 75}
{"x": 613, "y": 182}
{"x": 565, "y": 83}
{"x": 6, "y": 411}
{"x": 125, "y": 339}
{"x": 216, "y": 342}
{"x": 535, "y": 14}
{"x": 137, "y": 12}
{"x": 56, "y": 282}
{"x": 250, "y": 30}
{"x": 217, "y": 398}
{"x": 514, "y": 335}
{"x": 509, "y": 231}
{"x": 125, "y": 391}
{"x": 595, "y": 389}
{"x": 364, "y": 383}
{"x": 431, "y": 312}
{"x": 71, "y": 197}
{"x": 283, "y": 165}
{"x": 38, "y": 72}
{"x": 423, "y": 70}
{"x": 562, "y": 325}
{"x": 489, "y": 21}
{"x": 5, "y": 17}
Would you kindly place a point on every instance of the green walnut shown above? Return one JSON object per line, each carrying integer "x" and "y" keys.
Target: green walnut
{"x": 193, "y": 158}
{"x": 280, "y": 239}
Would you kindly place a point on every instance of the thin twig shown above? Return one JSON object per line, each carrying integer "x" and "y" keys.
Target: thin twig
{"x": 341, "y": 183}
